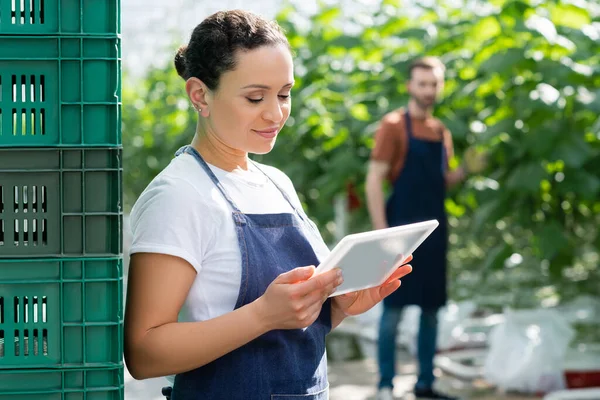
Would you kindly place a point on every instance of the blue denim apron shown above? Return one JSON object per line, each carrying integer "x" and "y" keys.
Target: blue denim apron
{"x": 281, "y": 364}
{"x": 418, "y": 195}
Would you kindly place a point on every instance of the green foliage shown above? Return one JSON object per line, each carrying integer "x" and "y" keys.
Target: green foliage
{"x": 523, "y": 82}
{"x": 157, "y": 120}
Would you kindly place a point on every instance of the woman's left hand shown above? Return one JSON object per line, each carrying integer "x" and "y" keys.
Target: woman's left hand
{"x": 363, "y": 300}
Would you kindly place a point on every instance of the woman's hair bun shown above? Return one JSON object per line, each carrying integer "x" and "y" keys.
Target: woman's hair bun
{"x": 180, "y": 61}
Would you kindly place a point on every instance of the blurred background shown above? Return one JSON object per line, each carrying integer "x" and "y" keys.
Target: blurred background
{"x": 522, "y": 83}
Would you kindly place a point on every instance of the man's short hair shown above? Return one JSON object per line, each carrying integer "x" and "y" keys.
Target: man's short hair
{"x": 428, "y": 63}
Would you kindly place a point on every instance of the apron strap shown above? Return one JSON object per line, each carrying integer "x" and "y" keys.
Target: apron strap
{"x": 409, "y": 131}
{"x": 194, "y": 153}
{"x": 285, "y": 196}
{"x": 408, "y": 124}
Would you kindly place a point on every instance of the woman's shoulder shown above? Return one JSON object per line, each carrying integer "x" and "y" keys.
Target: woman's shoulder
{"x": 179, "y": 177}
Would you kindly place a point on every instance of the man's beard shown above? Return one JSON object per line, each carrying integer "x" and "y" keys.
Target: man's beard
{"x": 424, "y": 104}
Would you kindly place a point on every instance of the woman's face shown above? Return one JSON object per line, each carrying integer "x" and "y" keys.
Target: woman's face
{"x": 252, "y": 102}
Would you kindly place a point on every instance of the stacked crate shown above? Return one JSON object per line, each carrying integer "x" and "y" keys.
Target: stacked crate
{"x": 61, "y": 302}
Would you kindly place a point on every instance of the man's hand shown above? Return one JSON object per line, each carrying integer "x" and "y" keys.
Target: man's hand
{"x": 475, "y": 161}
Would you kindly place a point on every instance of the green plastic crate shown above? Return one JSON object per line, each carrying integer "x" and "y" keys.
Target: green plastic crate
{"x": 57, "y": 202}
{"x": 60, "y": 91}
{"x": 60, "y": 17}
{"x": 75, "y": 384}
{"x": 63, "y": 313}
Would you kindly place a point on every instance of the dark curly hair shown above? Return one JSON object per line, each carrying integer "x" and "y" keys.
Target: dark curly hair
{"x": 215, "y": 41}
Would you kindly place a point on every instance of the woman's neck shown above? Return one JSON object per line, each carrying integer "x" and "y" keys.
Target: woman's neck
{"x": 219, "y": 154}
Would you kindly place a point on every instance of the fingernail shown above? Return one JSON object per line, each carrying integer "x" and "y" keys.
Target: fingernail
{"x": 339, "y": 272}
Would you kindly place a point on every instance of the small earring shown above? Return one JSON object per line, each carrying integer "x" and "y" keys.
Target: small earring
{"x": 197, "y": 108}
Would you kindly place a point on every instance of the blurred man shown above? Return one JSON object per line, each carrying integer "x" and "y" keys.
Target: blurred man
{"x": 411, "y": 152}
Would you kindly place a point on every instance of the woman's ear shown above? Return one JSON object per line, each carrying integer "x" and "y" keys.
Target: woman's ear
{"x": 199, "y": 95}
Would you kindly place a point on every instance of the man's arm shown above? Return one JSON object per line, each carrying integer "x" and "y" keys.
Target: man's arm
{"x": 389, "y": 145}
{"x": 457, "y": 175}
{"x": 376, "y": 175}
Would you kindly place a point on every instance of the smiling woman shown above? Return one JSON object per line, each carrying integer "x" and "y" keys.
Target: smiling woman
{"x": 251, "y": 104}
{"x": 222, "y": 292}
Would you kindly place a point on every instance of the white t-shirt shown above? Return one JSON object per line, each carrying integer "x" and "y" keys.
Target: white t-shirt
{"x": 182, "y": 213}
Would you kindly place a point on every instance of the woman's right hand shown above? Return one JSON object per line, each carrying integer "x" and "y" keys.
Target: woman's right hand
{"x": 294, "y": 299}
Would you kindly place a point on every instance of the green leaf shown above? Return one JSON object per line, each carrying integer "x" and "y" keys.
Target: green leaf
{"x": 502, "y": 62}
{"x": 550, "y": 239}
{"x": 360, "y": 112}
{"x": 582, "y": 183}
{"x": 515, "y": 8}
{"x": 573, "y": 150}
{"x": 392, "y": 27}
{"x": 454, "y": 209}
{"x": 486, "y": 28}
{"x": 413, "y": 33}
{"x": 327, "y": 16}
{"x": 497, "y": 256}
{"x": 570, "y": 16}
{"x": 346, "y": 42}
{"x": 502, "y": 126}
{"x": 526, "y": 177}
{"x": 541, "y": 140}
{"x": 392, "y": 3}
{"x": 489, "y": 212}
{"x": 337, "y": 140}
{"x": 561, "y": 260}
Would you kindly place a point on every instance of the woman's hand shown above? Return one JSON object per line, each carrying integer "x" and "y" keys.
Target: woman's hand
{"x": 363, "y": 300}
{"x": 294, "y": 301}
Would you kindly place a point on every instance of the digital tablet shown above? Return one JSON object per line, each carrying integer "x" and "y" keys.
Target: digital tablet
{"x": 367, "y": 259}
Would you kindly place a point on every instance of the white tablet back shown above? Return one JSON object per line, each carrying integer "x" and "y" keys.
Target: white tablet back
{"x": 368, "y": 259}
